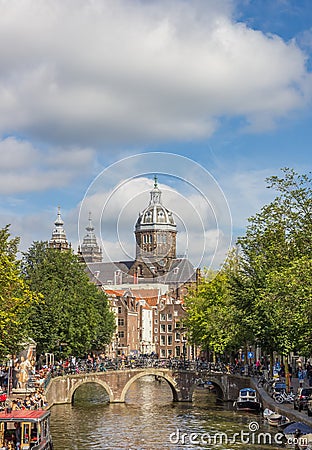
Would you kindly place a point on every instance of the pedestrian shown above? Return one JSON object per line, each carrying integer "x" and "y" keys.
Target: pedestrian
{"x": 300, "y": 377}
{"x": 297, "y": 435}
{"x": 17, "y": 426}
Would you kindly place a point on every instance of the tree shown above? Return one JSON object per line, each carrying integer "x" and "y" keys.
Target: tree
{"x": 287, "y": 301}
{"x": 15, "y": 297}
{"x": 272, "y": 249}
{"x": 75, "y": 317}
{"x": 265, "y": 286}
{"x": 211, "y": 316}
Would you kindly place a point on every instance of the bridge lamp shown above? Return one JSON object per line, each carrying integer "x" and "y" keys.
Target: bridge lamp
{"x": 184, "y": 350}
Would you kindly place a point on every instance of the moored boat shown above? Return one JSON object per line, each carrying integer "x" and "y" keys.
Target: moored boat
{"x": 248, "y": 400}
{"x": 276, "y": 420}
{"x": 31, "y": 428}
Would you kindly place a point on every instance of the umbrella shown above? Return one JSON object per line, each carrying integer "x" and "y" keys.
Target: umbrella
{"x": 293, "y": 427}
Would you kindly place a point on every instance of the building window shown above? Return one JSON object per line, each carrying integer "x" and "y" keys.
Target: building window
{"x": 156, "y": 338}
{"x": 175, "y": 313}
{"x": 163, "y": 340}
{"x": 161, "y": 238}
{"x": 169, "y": 316}
{"x": 163, "y": 328}
{"x": 163, "y": 353}
{"x": 169, "y": 328}
{"x": 121, "y": 322}
{"x": 169, "y": 353}
{"x": 155, "y": 330}
{"x": 177, "y": 351}
{"x": 147, "y": 239}
{"x": 169, "y": 340}
{"x": 162, "y": 316}
{"x": 177, "y": 336}
{"x": 121, "y": 334}
{"x": 119, "y": 309}
{"x": 155, "y": 321}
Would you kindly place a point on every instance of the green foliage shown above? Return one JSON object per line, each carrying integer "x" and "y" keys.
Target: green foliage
{"x": 211, "y": 317}
{"x": 275, "y": 242}
{"x": 15, "y": 297}
{"x": 75, "y": 317}
{"x": 287, "y": 303}
{"x": 265, "y": 287}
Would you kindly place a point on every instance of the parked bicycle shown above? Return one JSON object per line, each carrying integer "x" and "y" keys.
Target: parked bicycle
{"x": 283, "y": 397}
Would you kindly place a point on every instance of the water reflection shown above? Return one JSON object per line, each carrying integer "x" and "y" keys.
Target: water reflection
{"x": 149, "y": 420}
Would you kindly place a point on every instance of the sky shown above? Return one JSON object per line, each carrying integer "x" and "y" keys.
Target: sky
{"x": 98, "y": 96}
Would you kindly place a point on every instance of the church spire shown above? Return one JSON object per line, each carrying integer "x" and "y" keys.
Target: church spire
{"x": 59, "y": 240}
{"x": 90, "y": 251}
{"x": 90, "y": 227}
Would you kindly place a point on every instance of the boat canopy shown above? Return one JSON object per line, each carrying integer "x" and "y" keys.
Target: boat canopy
{"x": 247, "y": 391}
{"x": 302, "y": 427}
{"x": 26, "y": 415}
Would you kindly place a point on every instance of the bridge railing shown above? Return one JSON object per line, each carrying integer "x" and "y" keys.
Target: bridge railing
{"x": 85, "y": 366}
{"x": 89, "y": 366}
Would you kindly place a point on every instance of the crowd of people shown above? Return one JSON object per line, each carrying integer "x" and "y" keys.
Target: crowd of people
{"x": 33, "y": 400}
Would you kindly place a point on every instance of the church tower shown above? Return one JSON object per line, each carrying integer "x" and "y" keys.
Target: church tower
{"x": 59, "y": 240}
{"x": 90, "y": 251}
{"x": 155, "y": 234}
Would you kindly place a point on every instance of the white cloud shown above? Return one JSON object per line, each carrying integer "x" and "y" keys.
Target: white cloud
{"x": 117, "y": 71}
{"x": 115, "y": 212}
{"x": 200, "y": 236}
{"x": 24, "y": 168}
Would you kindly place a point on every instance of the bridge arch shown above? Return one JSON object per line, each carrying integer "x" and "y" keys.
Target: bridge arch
{"x": 219, "y": 388}
{"x": 93, "y": 381}
{"x": 172, "y": 383}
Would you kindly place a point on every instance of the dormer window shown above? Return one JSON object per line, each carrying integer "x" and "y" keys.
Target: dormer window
{"x": 161, "y": 216}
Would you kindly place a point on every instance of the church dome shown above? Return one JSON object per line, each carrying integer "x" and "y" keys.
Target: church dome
{"x": 155, "y": 216}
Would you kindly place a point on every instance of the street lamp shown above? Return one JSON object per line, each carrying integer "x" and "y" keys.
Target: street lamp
{"x": 116, "y": 344}
{"x": 184, "y": 352}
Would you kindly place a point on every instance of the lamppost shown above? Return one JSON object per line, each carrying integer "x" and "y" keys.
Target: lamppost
{"x": 116, "y": 344}
{"x": 184, "y": 352}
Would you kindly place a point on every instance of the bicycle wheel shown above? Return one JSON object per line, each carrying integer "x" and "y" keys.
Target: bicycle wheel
{"x": 279, "y": 399}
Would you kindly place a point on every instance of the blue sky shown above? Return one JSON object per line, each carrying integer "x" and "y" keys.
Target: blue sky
{"x": 86, "y": 84}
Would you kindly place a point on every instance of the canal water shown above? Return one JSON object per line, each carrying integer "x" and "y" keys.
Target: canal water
{"x": 149, "y": 420}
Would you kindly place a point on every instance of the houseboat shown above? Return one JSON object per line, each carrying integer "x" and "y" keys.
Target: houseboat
{"x": 30, "y": 428}
{"x": 247, "y": 400}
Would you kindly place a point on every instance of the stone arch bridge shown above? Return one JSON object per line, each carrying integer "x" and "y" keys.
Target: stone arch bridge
{"x": 117, "y": 382}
